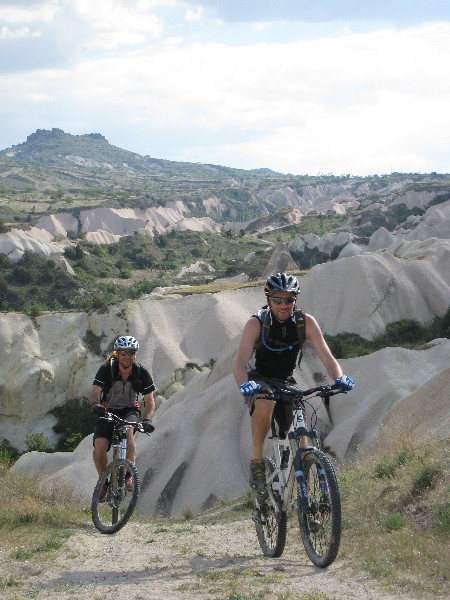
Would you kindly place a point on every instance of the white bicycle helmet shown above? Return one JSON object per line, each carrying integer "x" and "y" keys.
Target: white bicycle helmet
{"x": 281, "y": 282}
{"x": 126, "y": 341}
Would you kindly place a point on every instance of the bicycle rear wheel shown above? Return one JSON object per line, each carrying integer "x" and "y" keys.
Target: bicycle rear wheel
{"x": 113, "y": 511}
{"x": 270, "y": 520}
{"x": 320, "y": 524}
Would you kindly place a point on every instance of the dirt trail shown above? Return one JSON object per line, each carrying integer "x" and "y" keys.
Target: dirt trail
{"x": 179, "y": 560}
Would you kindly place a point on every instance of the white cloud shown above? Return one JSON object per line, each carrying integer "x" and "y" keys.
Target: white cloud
{"x": 115, "y": 23}
{"x": 357, "y": 103}
{"x": 38, "y": 12}
{"x": 193, "y": 15}
{"x": 11, "y": 34}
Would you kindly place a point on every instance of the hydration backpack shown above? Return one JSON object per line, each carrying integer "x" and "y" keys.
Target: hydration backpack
{"x": 265, "y": 318}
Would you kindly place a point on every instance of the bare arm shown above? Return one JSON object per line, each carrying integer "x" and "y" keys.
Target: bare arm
{"x": 249, "y": 336}
{"x": 315, "y": 336}
{"x": 149, "y": 406}
{"x": 94, "y": 395}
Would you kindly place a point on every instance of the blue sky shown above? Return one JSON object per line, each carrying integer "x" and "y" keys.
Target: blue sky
{"x": 298, "y": 86}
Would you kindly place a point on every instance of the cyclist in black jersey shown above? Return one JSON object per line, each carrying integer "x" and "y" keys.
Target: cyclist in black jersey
{"x": 116, "y": 388}
{"x": 274, "y": 335}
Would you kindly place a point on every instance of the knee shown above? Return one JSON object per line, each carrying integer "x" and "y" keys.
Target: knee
{"x": 264, "y": 408}
{"x": 100, "y": 447}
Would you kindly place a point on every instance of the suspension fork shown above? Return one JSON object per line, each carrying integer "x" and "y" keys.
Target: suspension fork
{"x": 298, "y": 466}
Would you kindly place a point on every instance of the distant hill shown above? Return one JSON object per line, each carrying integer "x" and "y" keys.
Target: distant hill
{"x": 54, "y": 171}
{"x": 120, "y": 224}
{"x": 55, "y": 147}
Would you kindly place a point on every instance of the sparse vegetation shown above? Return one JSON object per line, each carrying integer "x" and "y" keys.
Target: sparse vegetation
{"x": 75, "y": 422}
{"x": 398, "y": 500}
{"x": 37, "y": 442}
{"x": 369, "y": 221}
{"x": 407, "y": 333}
{"x": 104, "y": 274}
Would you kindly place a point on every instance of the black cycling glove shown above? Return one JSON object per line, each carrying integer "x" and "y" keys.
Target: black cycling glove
{"x": 147, "y": 426}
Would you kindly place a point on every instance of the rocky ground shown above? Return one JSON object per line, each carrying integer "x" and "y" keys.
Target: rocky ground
{"x": 180, "y": 560}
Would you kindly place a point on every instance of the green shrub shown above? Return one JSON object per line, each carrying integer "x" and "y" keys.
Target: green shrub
{"x": 425, "y": 478}
{"x": 34, "y": 310}
{"x": 408, "y": 333}
{"x": 405, "y": 331}
{"x": 8, "y": 454}
{"x": 385, "y": 468}
{"x": 394, "y": 522}
{"x": 37, "y": 442}
{"x": 349, "y": 345}
{"x": 74, "y": 422}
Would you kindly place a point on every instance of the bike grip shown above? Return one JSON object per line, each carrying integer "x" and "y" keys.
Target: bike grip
{"x": 147, "y": 426}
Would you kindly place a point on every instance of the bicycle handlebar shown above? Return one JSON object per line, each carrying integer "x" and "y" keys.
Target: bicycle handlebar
{"x": 136, "y": 426}
{"x": 323, "y": 391}
{"x": 292, "y": 395}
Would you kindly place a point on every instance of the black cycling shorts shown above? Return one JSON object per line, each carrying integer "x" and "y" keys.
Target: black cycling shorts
{"x": 282, "y": 412}
{"x": 104, "y": 428}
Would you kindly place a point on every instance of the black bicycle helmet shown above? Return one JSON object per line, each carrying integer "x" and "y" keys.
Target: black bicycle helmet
{"x": 281, "y": 282}
{"x": 126, "y": 341}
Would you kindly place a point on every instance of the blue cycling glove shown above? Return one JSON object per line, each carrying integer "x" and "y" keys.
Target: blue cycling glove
{"x": 346, "y": 383}
{"x": 249, "y": 388}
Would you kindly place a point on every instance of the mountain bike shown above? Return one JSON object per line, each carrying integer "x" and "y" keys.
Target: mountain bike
{"x": 112, "y": 510}
{"x": 302, "y": 479}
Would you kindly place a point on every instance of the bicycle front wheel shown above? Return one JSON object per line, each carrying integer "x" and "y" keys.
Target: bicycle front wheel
{"x": 320, "y": 522}
{"x": 269, "y": 518}
{"x": 111, "y": 511}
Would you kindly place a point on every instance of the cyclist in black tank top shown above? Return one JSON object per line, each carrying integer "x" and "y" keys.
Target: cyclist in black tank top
{"x": 275, "y": 347}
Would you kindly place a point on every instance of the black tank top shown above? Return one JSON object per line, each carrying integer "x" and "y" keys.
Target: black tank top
{"x": 279, "y": 365}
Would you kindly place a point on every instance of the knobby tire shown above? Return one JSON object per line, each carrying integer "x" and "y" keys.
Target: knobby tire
{"x": 320, "y": 526}
{"x": 112, "y": 514}
{"x": 270, "y": 521}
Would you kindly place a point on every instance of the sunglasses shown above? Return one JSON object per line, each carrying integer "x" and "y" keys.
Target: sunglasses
{"x": 288, "y": 300}
{"x": 127, "y": 352}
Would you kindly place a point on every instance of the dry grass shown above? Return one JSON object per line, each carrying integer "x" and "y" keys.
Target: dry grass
{"x": 396, "y": 506}
{"x": 43, "y": 514}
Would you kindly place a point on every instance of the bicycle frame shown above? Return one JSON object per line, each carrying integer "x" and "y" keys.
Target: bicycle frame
{"x": 120, "y": 441}
{"x": 285, "y": 453}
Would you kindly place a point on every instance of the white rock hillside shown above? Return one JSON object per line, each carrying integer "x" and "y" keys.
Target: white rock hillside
{"x": 200, "y": 448}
